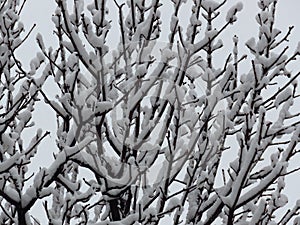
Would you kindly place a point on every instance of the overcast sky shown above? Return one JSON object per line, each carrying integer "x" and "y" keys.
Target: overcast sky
{"x": 39, "y": 12}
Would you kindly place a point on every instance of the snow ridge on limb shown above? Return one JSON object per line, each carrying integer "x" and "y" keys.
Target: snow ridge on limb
{"x": 149, "y": 131}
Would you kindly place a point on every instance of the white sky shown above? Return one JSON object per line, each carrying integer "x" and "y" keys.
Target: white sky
{"x": 39, "y": 12}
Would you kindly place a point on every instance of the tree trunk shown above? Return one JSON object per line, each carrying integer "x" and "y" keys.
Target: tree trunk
{"x": 114, "y": 210}
{"x": 21, "y": 217}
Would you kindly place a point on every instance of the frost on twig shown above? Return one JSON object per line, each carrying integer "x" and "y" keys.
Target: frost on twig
{"x": 149, "y": 131}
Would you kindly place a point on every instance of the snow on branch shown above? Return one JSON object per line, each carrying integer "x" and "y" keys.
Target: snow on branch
{"x": 148, "y": 131}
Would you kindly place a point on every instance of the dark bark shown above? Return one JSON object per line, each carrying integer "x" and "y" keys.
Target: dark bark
{"x": 21, "y": 216}
{"x": 114, "y": 210}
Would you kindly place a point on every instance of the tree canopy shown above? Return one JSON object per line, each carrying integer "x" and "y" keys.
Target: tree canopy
{"x": 149, "y": 130}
